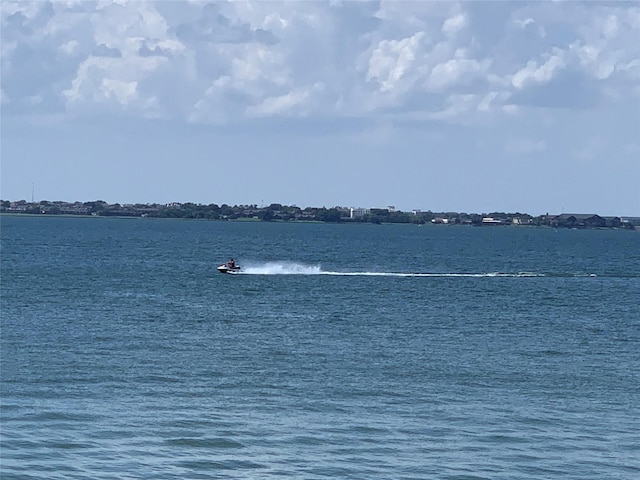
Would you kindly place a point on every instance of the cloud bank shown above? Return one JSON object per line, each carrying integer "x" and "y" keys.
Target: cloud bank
{"x": 225, "y": 62}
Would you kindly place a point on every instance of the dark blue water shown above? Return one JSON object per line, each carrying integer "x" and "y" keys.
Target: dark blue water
{"x": 342, "y": 351}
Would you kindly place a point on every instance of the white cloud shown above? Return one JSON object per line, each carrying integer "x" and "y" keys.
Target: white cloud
{"x": 410, "y": 15}
{"x": 123, "y": 92}
{"x": 533, "y": 73}
{"x": 529, "y": 24}
{"x": 492, "y": 101}
{"x": 607, "y": 39}
{"x": 610, "y": 27}
{"x": 454, "y": 24}
{"x": 291, "y": 103}
{"x": 28, "y": 9}
{"x": 524, "y": 23}
{"x": 123, "y": 25}
{"x": 255, "y": 66}
{"x": 392, "y": 59}
{"x": 69, "y": 48}
{"x": 458, "y": 106}
{"x": 110, "y": 81}
{"x": 456, "y": 70}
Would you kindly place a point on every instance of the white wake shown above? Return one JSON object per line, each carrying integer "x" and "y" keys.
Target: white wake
{"x": 281, "y": 268}
{"x": 293, "y": 268}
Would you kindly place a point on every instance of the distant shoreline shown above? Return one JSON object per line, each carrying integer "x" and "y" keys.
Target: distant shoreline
{"x": 276, "y": 212}
{"x": 279, "y": 221}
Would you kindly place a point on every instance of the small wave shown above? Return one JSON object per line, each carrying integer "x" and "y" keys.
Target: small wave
{"x": 217, "y": 442}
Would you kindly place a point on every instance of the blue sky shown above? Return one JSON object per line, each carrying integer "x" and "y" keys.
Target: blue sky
{"x": 448, "y": 106}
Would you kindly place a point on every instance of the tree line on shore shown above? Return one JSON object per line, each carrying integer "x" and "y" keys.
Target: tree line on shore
{"x": 278, "y": 212}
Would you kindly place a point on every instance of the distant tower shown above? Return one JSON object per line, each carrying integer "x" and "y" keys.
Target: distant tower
{"x": 33, "y": 191}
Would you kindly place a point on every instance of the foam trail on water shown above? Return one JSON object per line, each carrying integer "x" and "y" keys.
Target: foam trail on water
{"x": 282, "y": 268}
{"x": 293, "y": 268}
{"x": 441, "y": 275}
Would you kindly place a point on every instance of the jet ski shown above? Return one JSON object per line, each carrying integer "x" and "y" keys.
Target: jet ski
{"x": 225, "y": 268}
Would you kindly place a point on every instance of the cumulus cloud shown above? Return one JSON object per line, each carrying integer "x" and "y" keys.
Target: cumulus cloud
{"x": 533, "y": 73}
{"x": 214, "y": 27}
{"x": 217, "y": 62}
{"x": 457, "y": 70}
{"x": 391, "y": 59}
{"x": 454, "y": 24}
{"x": 293, "y": 103}
{"x": 529, "y": 24}
{"x": 69, "y": 48}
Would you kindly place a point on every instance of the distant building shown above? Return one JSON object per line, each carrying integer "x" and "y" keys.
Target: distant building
{"x": 630, "y": 221}
{"x": 490, "y": 221}
{"x": 359, "y": 212}
{"x": 578, "y": 220}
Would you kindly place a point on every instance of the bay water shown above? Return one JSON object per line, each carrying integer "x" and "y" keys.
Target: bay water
{"x": 340, "y": 351}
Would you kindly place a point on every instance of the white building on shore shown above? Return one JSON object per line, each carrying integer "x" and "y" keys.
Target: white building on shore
{"x": 359, "y": 212}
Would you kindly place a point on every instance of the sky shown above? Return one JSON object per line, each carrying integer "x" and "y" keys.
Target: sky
{"x": 476, "y": 107}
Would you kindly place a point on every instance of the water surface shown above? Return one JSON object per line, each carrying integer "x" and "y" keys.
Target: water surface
{"x": 341, "y": 351}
